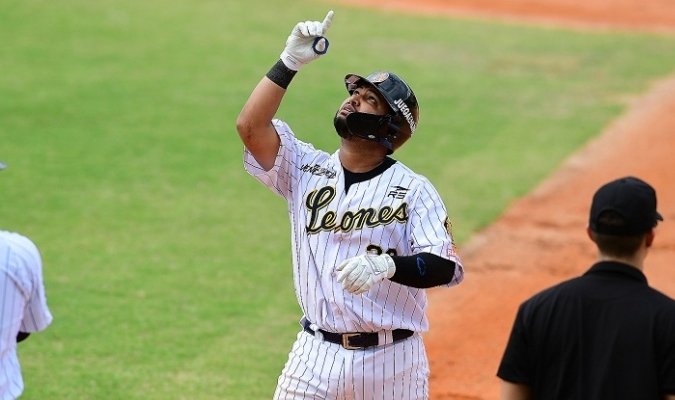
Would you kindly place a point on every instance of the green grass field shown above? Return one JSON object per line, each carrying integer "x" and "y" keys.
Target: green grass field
{"x": 166, "y": 265}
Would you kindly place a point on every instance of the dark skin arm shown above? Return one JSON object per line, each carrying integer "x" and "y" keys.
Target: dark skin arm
{"x": 515, "y": 391}
{"x": 254, "y": 123}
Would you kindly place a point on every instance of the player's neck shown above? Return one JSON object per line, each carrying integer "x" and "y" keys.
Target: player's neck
{"x": 361, "y": 157}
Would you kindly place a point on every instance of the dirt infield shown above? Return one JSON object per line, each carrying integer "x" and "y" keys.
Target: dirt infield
{"x": 541, "y": 238}
{"x": 647, "y": 15}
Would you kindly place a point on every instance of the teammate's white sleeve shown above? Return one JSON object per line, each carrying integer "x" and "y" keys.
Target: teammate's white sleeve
{"x": 431, "y": 230}
{"x": 23, "y": 304}
{"x": 25, "y": 268}
{"x": 11, "y": 310}
{"x": 278, "y": 178}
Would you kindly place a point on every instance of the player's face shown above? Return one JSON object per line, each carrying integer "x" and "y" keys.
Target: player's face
{"x": 366, "y": 100}
{"x": 363, "y": 99}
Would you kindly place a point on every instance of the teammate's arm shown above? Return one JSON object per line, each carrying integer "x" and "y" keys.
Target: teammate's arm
{"x": 254, "y": 123}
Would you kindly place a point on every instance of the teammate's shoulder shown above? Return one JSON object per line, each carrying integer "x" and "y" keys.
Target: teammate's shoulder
{"x": 20, "y": 247}
{"x": 16, "y": 239}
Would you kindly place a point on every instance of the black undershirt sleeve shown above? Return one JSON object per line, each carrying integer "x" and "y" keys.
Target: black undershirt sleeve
{"x": 21, "y": 336}
{"x": 423, "y": 270}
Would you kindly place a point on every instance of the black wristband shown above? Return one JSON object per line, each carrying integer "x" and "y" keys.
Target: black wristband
{"x": 281, "y": 74}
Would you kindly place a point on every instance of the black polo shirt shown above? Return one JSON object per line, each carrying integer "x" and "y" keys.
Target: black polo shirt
{"x": 603, "y": 335}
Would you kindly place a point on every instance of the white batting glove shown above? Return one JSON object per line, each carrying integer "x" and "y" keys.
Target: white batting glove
{"x": 306, "y": 42}
{"x": 358, "y": 274}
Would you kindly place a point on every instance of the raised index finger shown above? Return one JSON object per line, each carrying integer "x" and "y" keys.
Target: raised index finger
{"x": 327, "y": 21}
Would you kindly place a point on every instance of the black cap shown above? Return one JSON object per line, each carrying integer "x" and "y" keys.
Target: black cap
{"x": 632, "y": 199}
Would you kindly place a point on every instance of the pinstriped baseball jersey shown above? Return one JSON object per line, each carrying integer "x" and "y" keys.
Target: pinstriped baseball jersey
{"x": 398, "y": 212}
{"x": 23, "y": 305}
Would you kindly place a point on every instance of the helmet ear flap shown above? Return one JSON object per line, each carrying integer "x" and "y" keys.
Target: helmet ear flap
{"x": 397, "y": 121}
{"x": 399, "y": 131}
{"x": 394, "y": 125}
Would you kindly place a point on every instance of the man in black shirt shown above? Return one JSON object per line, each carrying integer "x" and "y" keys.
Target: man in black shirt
{"x": 605, "y": 334}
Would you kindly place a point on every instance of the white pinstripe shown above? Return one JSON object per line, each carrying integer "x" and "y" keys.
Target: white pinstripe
{"x": 23, "y": 305}
{"x": 317, "y": 369}
{"x": 397, "y": 211}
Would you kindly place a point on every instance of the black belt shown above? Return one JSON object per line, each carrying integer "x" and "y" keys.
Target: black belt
{"x": 356, "y": 340}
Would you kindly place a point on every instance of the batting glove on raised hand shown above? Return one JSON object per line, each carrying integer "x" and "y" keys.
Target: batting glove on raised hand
{"x": 306, "y": 42}
{"x": 358, "y": 274}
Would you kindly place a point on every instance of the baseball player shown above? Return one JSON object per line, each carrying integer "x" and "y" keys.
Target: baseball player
{"x": 23, "y": 305}
{"x": 368, "y": 233}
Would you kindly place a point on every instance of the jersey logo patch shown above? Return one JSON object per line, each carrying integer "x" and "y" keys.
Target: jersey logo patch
{"x": 318, "y": 170}
{"x": 398, "y": 192}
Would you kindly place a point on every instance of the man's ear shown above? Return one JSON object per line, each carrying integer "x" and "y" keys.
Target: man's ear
{"x": 649, "y": 238}
{"x": 589, "y": 232}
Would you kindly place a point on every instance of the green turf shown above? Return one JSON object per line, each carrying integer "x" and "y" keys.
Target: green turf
{"x": 167, "y": 267}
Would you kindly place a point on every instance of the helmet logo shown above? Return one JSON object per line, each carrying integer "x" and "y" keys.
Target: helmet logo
{"x": 403, "y": 108}
{"x": 378, "y": 77}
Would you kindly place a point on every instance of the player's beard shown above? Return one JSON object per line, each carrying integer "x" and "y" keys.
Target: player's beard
{"x": 340, "y": 124}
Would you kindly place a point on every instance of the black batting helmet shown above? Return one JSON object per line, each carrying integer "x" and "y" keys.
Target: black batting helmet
{"x": 396, "y": 92}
